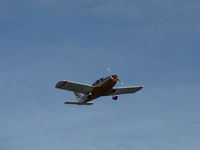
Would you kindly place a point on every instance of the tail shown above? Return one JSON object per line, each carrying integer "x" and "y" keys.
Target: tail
{"x": 79, "y": 97}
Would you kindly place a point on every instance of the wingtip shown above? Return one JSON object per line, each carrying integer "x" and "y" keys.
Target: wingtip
{"x": 60, "y": 84}
{"x": 141, "y": 87}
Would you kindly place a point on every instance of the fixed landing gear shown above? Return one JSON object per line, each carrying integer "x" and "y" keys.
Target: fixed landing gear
{"x": 90, "y": 95}
{"x": 115, "y": 97}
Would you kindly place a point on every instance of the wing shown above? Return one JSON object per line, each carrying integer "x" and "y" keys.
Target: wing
{"x": 125, "y": 90}
{"x": 73, "y": 86}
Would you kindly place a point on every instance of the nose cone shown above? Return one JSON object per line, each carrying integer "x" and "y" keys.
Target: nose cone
{"x": 114, "y": 78}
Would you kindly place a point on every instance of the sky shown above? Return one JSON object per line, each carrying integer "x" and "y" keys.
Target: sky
{"x": 151, "y": 43}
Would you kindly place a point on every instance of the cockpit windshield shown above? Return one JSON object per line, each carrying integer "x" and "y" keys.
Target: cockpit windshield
{"x": 98, "y": 81}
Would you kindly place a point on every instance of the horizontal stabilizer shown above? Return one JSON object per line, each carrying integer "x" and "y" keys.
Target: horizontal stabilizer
{"x": 78, "y": 103}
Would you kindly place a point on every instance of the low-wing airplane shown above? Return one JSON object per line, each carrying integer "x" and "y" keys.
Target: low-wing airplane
{"x": 102, "y": 87}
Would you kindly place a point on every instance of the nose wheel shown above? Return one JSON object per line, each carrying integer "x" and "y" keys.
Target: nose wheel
{"x": 115, "y": 97}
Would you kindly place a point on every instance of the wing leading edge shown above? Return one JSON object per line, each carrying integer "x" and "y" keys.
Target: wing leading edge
{"x": 73, "y": 86}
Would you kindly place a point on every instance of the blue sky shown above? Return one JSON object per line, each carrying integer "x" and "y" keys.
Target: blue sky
{"x": 151, "y": 43}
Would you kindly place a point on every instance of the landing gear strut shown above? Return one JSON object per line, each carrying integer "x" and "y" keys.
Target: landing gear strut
{"x": 115, "y": 97}
{"x": 89, "y": 95}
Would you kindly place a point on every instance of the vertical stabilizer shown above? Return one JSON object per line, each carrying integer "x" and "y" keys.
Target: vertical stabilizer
{"x": 78, "y": 96}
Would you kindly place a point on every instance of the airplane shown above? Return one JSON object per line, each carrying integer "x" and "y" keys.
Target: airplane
{"x": 102, "y": 87}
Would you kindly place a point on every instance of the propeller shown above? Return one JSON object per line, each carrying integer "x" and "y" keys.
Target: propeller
{"x": 121, "y": 82}
{"x": 108, "y": 69}
{"x": 115, "y": 77}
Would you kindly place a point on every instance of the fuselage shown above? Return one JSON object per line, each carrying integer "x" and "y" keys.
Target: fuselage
{"x": 102, "y": 87}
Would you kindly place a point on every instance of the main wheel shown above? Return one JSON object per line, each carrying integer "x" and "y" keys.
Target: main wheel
{"x": 115, "y": 97}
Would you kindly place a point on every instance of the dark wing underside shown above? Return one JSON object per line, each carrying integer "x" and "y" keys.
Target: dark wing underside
{"x": 75, "y": 87}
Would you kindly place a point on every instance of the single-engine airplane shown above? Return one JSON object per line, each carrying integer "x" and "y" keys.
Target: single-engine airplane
{"x": 102, "y": 87}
